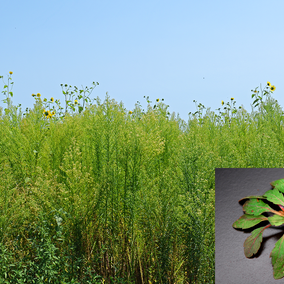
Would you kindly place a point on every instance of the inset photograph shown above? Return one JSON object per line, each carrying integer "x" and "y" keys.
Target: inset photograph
{"x": 249, "y": 226}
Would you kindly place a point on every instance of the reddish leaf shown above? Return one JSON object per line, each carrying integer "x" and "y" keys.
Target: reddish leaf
{"x": 279, "y": 184}
{"x": 275, "y": 196}
{"x": 248, "y": 221}
{"x": 251, "y": 197}
{"x": 252, "y": 243}
{"x": 278, "y": 268}
{"x": 278, "y": 250}
{"x": 276, "y": 220}
{"x": 256, "y": 207}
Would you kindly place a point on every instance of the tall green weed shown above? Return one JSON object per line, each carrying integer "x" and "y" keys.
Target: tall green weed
{"x": 99, "y": 194}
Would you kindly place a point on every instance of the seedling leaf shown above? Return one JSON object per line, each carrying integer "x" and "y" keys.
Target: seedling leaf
{"x": 275, "y": 196}
{"x": 276, "y": 220}
{"x": 278, "y": 268}
{"x": 279, "y": 184}
{"x": 251, "y": 197}
{"x": 278, "y": 250}
{"x": 256, "y": 207}
{"x": 248, "y": 221}
{"x": 252, "y": 243}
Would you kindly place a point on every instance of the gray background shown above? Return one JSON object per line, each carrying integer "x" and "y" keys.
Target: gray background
{"x": 231, "y": 265}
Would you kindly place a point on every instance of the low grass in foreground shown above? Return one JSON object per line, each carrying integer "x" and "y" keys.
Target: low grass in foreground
{"x": 99, "y": 194}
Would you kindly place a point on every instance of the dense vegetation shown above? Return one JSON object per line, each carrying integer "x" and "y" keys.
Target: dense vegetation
{"x": 99, "y": 194}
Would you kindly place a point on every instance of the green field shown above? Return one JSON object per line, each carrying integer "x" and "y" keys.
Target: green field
{"x": 94, "y": 193}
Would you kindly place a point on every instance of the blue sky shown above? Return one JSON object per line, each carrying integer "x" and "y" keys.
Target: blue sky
{"x": 181, "y": 51}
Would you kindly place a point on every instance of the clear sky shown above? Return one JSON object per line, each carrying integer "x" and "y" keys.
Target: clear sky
{"x": 181, "y": 51}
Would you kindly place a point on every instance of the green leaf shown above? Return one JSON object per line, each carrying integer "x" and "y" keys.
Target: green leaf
{"x": 279, "y": 184}
{"x": 256, "y": 207}
{"x": 276, "y": 220}
{"x": 248, "y": 221}
{"x": 278, "y": 268}
{"x": 251, "y": 197}
{"x": 275, "y": 196}
{"x": 278, "y": 250}
{"x": 252, "y": 243}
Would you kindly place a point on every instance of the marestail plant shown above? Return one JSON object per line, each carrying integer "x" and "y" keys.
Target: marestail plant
{"x": 257, "y": 210}
{"x": 72, "y": 98}
{"x": 8, "y": 90}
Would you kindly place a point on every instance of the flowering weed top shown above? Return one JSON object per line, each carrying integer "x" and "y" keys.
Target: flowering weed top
{"x": 260, "y": 95}
{"x": 272, "y": 88}
{"x": 48, "y": 114}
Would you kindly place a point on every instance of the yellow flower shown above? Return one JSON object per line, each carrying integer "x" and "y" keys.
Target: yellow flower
{"x": 272, "y": 88}
{"x": 268, "y": 84}
{"x": 53, "y": 113}
{"x": 47, "y": 113}
{"x": 222, "y": 102}
{"x": 232, "y": 99}
{"x": 45, "y": 100}
{"x": 33, "y": 95}
{"x": 75, "y": 102}
{"x": 130, "y": 112}
{"x": 10, "y": 72}
{"x": 157, "y": 100}
{"x": 52, "y": 100}
{"x": 38, "y": 95}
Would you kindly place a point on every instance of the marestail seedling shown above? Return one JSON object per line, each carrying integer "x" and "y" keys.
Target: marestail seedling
{"x": 254, "y": 208}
